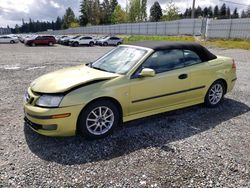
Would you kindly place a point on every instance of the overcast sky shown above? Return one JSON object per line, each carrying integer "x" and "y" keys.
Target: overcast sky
{"x": 12, "y": 11}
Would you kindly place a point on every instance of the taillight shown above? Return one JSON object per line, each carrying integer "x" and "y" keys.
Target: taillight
{"x": 234, "y": 65}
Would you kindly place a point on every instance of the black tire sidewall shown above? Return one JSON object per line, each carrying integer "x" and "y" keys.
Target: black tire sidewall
{"x": 12, "y": 42}
{"x": 81, "y": 124}
{"x": 207, "y": 101}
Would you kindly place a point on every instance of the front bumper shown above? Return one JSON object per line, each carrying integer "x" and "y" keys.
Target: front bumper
{"x": 37, "y": 118}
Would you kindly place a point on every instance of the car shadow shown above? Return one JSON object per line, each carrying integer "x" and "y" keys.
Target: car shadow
{"x": 155, "y": 131}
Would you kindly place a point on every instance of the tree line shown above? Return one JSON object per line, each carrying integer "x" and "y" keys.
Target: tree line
{"x": 92, "y": 12}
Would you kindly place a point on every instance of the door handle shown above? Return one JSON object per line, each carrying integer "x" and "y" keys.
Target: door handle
{"x": 183, "y": 76}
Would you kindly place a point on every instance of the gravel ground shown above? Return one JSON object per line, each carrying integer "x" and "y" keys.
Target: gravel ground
{"x": 192, "y": 147}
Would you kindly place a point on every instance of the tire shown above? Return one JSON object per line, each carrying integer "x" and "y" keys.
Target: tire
{"x": 33, "y": 44}
{"x": 105, "y": 44}
{"x": 75, "y": 44}
{"x": 12, "y": 42}
{"x": 118, "y": 44}
{"x": 92, "y": 126}
{"x": 50, "y": 44}
{"x": 91, "y": 44}
{"x": 215, "y": 94}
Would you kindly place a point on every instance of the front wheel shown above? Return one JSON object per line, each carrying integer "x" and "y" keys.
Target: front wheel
{"x": 99, "y": 119}
{"x": 215, "y": 94}
{"x": 91, "y": 44}
{"x": 50, "y": 43}
{"x": 12, "y": 42}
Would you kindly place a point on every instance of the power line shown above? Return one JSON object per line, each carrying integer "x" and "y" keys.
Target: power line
{"x": 234, "y": 3}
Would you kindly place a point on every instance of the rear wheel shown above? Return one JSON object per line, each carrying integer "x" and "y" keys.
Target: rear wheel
{"x": 12, "y": 42}
{"x": 75, "y": 44}
{"x": 105, "y": 44}
{"x": 215, "y": 94}
{"x": 119, "y": 43}
{"x": 50, "y": 43}
{"x": 33, "y": 44}
{"x": 99, "y": 119}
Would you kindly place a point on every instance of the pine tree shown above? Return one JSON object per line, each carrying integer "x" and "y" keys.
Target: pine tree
{"x": 243, "y": 14}
{"x": 223, "y": 12}
{"x": 58, "y": 23}
{"x": 155, "y": 12}
{"x": 106, "y": 12}
{"x": 198, "y": 12}
{"x": 210, "y": 12}
{"x": 84, "y": 13}
{"x": 228, "y": 13}
{"x": 235, "y": 13}
{"x": 248, "y": 12}
{"x": 205, "y": 12}
{"x": 216, "y": 11}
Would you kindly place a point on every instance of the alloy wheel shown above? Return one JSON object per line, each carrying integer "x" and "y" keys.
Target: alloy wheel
{"x": 215, "y": 94}
{"x": 100, "y": 120}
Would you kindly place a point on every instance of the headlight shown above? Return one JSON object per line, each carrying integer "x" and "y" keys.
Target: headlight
{"x": 47, "y": 100}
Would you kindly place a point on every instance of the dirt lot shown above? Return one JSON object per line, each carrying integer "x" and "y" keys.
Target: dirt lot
{"x": 193, "y": 147}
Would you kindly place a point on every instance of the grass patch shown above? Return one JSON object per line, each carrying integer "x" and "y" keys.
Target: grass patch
{"x": 230, "y": 43}
{"x": 135, "y": 38}
{"x": 220, "y": 43}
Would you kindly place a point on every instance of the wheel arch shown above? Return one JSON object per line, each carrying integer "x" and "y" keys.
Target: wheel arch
{"x": 113, "y": 100}
{"x": 223, "y": 81}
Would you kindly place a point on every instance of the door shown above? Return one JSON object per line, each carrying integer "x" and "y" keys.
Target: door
{"x": 84, "y": 40}
{"x": 167, "y": 88}
{"x": 199, "y": 74}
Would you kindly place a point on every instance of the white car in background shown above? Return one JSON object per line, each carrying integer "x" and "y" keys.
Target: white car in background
{"x": 8, "y": 39}
{"x": 84, "y": 40}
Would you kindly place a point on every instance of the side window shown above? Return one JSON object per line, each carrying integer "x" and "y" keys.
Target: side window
{"x": 165, "y": 60}
{"x": 191, "y": 58}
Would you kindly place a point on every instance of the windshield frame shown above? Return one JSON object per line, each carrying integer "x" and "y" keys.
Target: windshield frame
{"x": 139, "y": 61}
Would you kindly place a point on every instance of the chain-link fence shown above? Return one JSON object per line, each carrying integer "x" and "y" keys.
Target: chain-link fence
{"x": 209, "y": 28}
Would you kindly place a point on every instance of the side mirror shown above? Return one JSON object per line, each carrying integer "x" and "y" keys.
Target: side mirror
{"x": 146, "y": 72}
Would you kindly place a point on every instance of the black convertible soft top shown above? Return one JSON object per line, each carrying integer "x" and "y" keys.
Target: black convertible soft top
{"x": 201, "y": 51}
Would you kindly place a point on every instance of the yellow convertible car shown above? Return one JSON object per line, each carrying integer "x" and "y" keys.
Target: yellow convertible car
{"x": 129, "y": 82}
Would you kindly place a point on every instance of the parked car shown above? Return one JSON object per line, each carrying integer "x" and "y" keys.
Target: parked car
{"x": 59, "y": 38}
{"x": 130, "y": 82}
{"x": 66, "y": 40}
{"x": 109, "y": 41}
{"x": 8, "y": 39}
{"x": 85, "y": 40}
{"x": 41, "y": 40}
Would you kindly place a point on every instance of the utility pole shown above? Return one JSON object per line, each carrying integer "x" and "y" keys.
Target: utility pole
{"x": 193, "y": 9}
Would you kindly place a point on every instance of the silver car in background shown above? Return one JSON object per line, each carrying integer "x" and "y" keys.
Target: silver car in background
{"x": 110, "y": 40}
{"x": 8, "y": 39}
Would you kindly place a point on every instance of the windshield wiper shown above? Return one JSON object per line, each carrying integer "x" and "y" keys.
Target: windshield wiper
{"x": 102, "y": 69}
{"x": 98, "y": 68}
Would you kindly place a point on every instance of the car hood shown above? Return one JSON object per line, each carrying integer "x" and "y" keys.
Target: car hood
{"x": 65, "y": 79}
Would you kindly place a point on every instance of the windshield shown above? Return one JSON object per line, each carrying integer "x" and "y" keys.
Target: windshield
{"x": 120, "y": 60}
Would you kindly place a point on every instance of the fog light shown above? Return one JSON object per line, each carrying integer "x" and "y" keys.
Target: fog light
{"x": 49, "y": 127}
